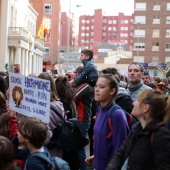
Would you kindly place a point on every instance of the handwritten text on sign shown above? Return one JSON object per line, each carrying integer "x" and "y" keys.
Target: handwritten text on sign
{"x": 30, "y": 96}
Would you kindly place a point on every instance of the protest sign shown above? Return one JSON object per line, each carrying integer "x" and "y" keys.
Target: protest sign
{"x": 30, "y": 96}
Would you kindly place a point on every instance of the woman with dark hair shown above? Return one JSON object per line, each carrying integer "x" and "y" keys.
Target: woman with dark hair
{"x": 106, "y": 140}
{"x": 55, "y": 104}
{"x": 65, "y": 93}
{"x": 148, "y": 145}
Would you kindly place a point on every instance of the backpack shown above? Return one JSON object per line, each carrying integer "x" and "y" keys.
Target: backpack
{"x": 130, "y": 119}
{"x": 68, "y": 135}
{"x": 55, "y": 162}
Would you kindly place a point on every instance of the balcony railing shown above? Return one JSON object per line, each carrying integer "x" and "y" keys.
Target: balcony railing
{"x": 39, "y": 42}
{"x": 18, "y": 31}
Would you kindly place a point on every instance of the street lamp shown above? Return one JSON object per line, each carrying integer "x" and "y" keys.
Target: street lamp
{"x": 68, "y": 30}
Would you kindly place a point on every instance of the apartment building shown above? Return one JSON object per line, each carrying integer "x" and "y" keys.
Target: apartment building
{"x": 49, "y": 12}
{"x": 18, "y": 41}
{"x": 151, "y": 32}
{"x": 108, "y": 30}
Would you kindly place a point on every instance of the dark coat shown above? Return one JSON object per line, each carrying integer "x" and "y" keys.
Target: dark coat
{"x": 146, "y": 149}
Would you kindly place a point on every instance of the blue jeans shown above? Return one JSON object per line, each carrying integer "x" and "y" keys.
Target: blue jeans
{"x": 82, "y": 153}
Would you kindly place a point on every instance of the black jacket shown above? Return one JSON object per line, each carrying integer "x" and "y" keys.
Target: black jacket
{"x": 143, "y": 151}
{"x": 125, "y": 101}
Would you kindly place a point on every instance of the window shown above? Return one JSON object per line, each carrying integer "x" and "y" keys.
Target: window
{"x": 140, "y": 19}
{"x": 155, "y": 59}
{"x": 92, "y": 33}
{"x": 87, "y": 28}
{"x": 168, "y": 6}
{"x": 122, "y": 21}
{"x": 139, "y": 45}
{"x": 110, "y": 22}
{"x": 109, "y": 28}
{"x": 47, "y": 52}
{"x": 104, "y": 33}
{"x": 82, "y": 28}
{"x": 131, "y": 41}
{"x": 87, "y": 21}
{"x": 155, "y": 46}
{"x": 92, "y": 20}
{"x": 131, "y": 27}
{"x": 123, "y": 35}
{"x": 114, "y": 21}
{"x": 155, "y": 33}
{"x": 156, "y": 19}
{"x": 167, "y": 46}
{"x": 92, "y": 27}
{"x": 87, "y": 34}
{"x": 114, "y": 28}
{"x": 122, "y": 28}
{"x": 104, "y": 27}
{"x": 156, "y": 6}
{"x": 104, "y": 21}
{"x": 168, "y": 20}
{"x": 126, "y": 21}
{"x": 83, "y": 41}
{"x": 167, "y": 32}
{"x": 140, "y": 6}
{"x": 131, "y": 34}
{"x": 140, "y": 33}
{"x": 48, "y": 9}
{"x": 83, "y": 21}
{"x": 167, "y": 59}
{"x": 47, "y": 21}
{"x": 82, "y": 34}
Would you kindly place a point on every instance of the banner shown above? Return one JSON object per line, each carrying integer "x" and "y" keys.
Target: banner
{"x": 30, "y": 96}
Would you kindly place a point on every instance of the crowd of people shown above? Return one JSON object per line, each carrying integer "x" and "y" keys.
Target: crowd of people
{"x": 90, "y": 97}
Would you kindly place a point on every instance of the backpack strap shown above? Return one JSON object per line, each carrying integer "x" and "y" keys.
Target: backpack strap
{"x": 58, "y": 114}
{"x": 110, "y": 115}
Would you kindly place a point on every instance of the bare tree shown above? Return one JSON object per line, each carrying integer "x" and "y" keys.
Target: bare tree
{"x": 166, "y": 70}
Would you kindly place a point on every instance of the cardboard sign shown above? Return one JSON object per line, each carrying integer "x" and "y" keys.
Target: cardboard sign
{"x": 30, "y": 96}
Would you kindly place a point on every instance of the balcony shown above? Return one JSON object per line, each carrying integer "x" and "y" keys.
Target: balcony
{"x": 156, "y": 21}
{"x": 18, "y": 32}
{"x": 156, "y": 8}
{"x": 155, "y": 48}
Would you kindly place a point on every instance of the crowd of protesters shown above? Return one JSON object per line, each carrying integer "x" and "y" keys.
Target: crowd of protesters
{"x": 90, "y": 97}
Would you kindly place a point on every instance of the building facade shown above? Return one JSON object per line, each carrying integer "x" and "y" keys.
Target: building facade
{"x": 68, "y": 32}
{"x": 151, "y": 32}
{"x": 18, "y": 41}
{"x": 109, "y": 30}
{"x": 49, "y": 11}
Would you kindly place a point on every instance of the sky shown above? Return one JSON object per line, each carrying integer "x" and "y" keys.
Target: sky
{"x": 87, "y": 7}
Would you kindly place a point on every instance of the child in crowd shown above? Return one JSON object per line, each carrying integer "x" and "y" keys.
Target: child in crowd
{"x": 89, "y": 74}
{"x": 32, "y": 132}
{"x": 7, "y": 153}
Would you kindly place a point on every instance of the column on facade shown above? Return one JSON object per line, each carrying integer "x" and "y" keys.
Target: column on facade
{"x": 12, "y": 56}
{"x": 26, "y": 63}
{"x": 23, "y": 61}
{"x": 34, "y": 63}
{"x": 30, "y": 70}
{"x": 40, "y": 64}
{"x": 18, "y": 56}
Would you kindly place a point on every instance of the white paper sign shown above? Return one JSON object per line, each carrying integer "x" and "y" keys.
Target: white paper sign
{"x": 30, "y": 96}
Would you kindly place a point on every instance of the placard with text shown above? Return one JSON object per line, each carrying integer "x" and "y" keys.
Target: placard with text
{"x": 30, "y": 96}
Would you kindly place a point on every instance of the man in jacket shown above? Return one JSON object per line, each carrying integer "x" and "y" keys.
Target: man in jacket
{"x": 135, "y": 72}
